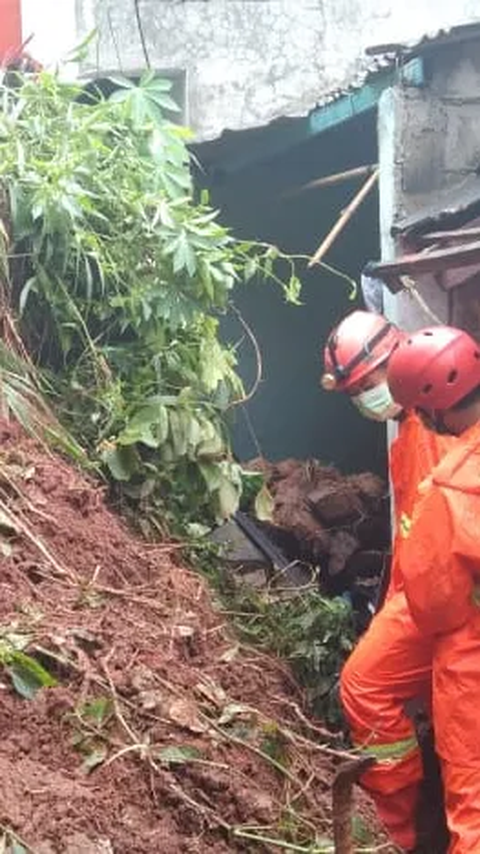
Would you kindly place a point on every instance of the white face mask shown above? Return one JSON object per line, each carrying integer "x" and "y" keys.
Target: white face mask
{"x": 377, "y": 403}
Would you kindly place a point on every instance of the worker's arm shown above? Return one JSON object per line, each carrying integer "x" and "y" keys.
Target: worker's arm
{"x": 439, "y": 584}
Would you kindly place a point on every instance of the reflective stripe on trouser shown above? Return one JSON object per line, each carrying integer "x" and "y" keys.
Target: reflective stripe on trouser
{"x": 462, "y": 799}
{"x": 390, "y": 666}
{"x": 394, "y": 785}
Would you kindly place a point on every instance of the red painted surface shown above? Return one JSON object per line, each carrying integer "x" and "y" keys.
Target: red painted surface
{"x": 10, "y": 26}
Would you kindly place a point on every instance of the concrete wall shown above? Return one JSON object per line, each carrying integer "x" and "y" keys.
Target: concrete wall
{"x": 429, "y": 139}
{"x": 247, "y": 61}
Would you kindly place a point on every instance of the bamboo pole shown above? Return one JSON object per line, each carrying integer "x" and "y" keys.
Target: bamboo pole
{"x": 344, "y": 218}
{"x": 330, "y": 180}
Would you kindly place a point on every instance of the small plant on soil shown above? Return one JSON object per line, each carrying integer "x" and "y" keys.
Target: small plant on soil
{"x": 90, "y": 724}
{"x": 315, "y": 634}
{"x": 26, "y": 674}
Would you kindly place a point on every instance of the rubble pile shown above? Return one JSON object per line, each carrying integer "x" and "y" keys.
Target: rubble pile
{"x": 338, "y": 524}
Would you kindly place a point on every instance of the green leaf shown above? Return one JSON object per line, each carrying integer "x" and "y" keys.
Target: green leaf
{"x": 212, "y": 444}
{"x": 211, "y": 475}
{"x": 122, "y": 462}
{"x": 158, "y": 84}
{"x": 228, "y": 499}
{"x": 272, "y": 253}
{"x": 178, "y": 755}
{"x": 94, "y": 759}
{"x": 179, "y": 424}
{"x": 264, "y": 505}
{"x": 184, "y": 256}
{"x": 28, "y": 676}
{"x": 250, "y": 269}
{"x": 361, "y": 833}
{"x": 164, "y": 102}
{"x": 122, "y": 82}
{"x": 149, "y": 426}
{"x": 293, "y": 291}
{"x": 30, "y": 285}
{"x": 81, "y": 51}
{"x": 98, "y": 710}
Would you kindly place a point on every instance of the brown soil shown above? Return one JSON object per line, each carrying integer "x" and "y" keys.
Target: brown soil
{"x": 117, "y": 619}
{"x": 339, "y": 523}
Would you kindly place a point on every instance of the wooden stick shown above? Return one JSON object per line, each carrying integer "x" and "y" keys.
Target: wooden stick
{"x": 451, "y": 236}
{"x": 454, "y": 257}
{"x": 344, "y": 218}
{"x": 329, "y": 180}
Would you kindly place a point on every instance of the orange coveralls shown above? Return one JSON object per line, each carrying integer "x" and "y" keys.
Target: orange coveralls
{"x": 441, "y": 569}
{"x": 392, "y": 662}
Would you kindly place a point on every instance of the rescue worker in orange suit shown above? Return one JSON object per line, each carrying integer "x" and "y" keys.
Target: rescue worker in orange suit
{"x": 437, "y": 372}
{"x": 391, "y": 665}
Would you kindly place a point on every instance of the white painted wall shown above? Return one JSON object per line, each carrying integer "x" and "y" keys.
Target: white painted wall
{"x": 248, "y": 61}
{"x": 54, "y": 28}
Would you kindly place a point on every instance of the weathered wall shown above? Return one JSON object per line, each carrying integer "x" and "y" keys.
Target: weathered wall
{"x": 429, "y": 139}
{"x": 248, "y": 61}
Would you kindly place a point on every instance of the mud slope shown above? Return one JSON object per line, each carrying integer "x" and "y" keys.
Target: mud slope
{"x": 161, "y": 735}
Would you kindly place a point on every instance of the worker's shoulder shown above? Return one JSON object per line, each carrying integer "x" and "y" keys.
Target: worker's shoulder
{"x": 459, "y": 470}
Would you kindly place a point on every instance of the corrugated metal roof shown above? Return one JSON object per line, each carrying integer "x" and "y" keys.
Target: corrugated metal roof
{"x": 386, "y": 57}
{"x": 429, "y": 41}
{"x": 367, "y": 71}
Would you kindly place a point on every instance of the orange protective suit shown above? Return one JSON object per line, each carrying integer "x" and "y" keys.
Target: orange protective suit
{"x": 391, "y": 665}
{"x": 441, "y": 569}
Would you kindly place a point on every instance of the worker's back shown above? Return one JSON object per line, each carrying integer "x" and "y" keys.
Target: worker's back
{"x": 413, "y": 456}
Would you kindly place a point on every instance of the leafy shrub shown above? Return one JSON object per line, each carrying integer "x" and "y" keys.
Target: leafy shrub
{"x": 119, "y": 278}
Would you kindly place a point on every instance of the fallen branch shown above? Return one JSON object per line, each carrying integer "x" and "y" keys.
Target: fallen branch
{"x": 17, "y": 524}
{"x": 280, "y": 843}
{"x": 136, "y": 741}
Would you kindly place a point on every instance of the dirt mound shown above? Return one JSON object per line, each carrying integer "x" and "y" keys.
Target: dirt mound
{"x": 340, "y": 523}
{"x": 162, "y": 734}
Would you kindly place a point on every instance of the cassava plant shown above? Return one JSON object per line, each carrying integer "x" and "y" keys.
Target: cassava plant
{"x": 118, "y": 278}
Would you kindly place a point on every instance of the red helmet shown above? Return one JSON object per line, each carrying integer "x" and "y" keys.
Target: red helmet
{"x": 361, "y": 342}
{"x": 434, "y": 369}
